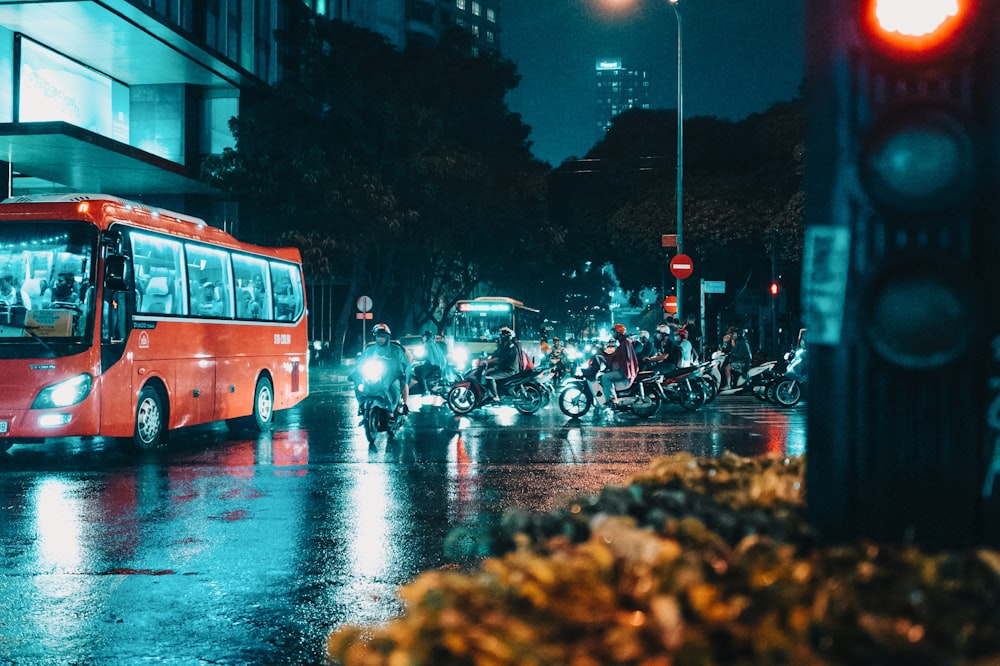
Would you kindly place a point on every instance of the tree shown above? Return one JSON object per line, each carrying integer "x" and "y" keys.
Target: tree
{"x": 391, "y": 171}
{"x": 742, "y": 182}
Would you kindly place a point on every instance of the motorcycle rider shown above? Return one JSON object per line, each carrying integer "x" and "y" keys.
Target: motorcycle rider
{"x": 557, "y": 359}
{"x": 398, "y": 361}
{"x": 738, "y": 358}
{"x": 504, "y": 362}
{"x": 644, "y": 347}
{"x": 435, "y": 360}
{"x": 622, "y": 365}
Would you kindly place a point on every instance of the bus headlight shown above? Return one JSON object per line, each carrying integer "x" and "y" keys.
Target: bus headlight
{"x": 67, "y": 392}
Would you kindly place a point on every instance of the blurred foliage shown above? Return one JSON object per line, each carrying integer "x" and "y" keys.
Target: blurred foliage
{"x": 675, "y": 592}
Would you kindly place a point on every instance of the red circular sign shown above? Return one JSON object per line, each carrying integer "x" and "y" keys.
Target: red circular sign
{"x": 670, "y": 304}
{"x": 681, "y": 266}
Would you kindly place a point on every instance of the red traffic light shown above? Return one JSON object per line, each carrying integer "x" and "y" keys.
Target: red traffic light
{"x": 916, "y": 30}
{"x": 775, "y": 288}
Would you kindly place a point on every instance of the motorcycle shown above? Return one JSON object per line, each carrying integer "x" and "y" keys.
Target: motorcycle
{"x": 579, "y": 392}
{"x": 750, "y": 383}
{"x": 688, "y": 387}
{"x": 433, "y": 380}
{"x": 788, "y": 388}
{"x": 376, "y": 400}
{"x": 521, "y": 390}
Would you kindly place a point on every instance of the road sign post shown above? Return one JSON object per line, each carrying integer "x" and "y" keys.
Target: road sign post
{"x": 708, "y": 287}
{"x": 364, "y": 314}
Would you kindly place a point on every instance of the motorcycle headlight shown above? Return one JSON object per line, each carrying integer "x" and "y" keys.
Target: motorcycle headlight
{"x": 373, "y": 369}
{"x": 65, "y": 393}
{"x": 459, "y": 357}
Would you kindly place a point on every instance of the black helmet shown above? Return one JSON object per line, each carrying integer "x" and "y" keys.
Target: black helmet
{"x": 381, "y": 329}
{"x": 506, "y": 332}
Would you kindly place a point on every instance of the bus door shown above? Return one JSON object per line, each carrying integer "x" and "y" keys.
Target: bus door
{"x": 117, "y": 401}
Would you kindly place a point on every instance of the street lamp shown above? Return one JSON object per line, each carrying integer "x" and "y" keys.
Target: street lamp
{"x": 680, "y": 154}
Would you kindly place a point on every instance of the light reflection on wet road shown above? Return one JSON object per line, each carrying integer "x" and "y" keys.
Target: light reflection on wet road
{"x": 249, "y": 551}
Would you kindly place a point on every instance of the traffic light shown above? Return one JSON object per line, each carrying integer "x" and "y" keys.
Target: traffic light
{"x": 774, "y": 289}
{"x": 900, "y": 270}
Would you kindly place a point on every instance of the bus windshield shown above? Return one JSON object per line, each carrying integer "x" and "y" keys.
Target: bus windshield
{"x": 46, "y": 287}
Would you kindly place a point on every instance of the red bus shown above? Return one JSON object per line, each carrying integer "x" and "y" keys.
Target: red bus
{"x": 122, "y": 320}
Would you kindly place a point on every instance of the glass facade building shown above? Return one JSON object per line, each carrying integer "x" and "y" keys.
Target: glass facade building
{"x": 126, "y": 97}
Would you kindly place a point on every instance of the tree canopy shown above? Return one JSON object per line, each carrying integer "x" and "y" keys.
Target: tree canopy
{"x": 402, "y": 175}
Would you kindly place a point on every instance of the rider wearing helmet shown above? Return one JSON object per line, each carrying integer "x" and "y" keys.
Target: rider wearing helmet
{"x": 398, "y": 359}
{"x": 623, "y": 366}
{"x": 504, "y": 362}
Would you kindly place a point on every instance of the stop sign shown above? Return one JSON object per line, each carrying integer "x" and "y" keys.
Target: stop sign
{"x": 670, "y": 304}
{"x": 681, "y": 266}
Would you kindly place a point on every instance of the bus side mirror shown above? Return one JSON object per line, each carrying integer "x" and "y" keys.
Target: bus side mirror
{"x": 115, "y": 267}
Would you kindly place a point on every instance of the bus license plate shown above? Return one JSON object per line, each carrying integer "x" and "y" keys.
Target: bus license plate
{"x": 3, "y": 426}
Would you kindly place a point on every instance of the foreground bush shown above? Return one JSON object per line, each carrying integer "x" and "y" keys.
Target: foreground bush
{"x": 637, "y": 576}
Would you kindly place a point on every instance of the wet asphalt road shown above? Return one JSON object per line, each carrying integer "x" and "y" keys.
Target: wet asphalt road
{"x": 249, "y": 551}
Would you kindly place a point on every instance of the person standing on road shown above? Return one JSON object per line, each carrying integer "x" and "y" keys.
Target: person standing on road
{"x": 694, "y": 332}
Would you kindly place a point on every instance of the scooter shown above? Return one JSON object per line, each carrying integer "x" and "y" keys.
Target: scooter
{"x": 521, "y": 390}
{"x": 579, "y": 393}
{"x": 688, "y": 387}
{"x": 789, "y": 387}
{"x": 754, "y": 380}
{"x": 432, "y": 381}
{"x": 376, "y": 400}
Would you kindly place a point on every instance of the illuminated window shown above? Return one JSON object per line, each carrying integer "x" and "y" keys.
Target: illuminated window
{"x": 286, "y": 282}
{"x": 460, "y": 4}
{"x": 491, "y": 15}
{"x": 209, "y": 284}
{"x": 477, "y": 9}
{"x": 158, "y": 274}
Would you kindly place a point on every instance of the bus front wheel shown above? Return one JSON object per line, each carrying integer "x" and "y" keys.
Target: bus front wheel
{"x": 150, "y": 420}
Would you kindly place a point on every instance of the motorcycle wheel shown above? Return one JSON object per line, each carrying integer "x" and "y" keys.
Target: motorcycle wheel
{"x": 645, "y": 407}
{"x": 690, "y": 397}
{"x": 574, "y": 402}
{"x": 769, "y": 390}
{"x": 461, "y": 399}
{"x": 788, "y": 392}
{"x": 529, "y": 399}
{"x": 708, "y": 389}
{"x": 371, "y": 423}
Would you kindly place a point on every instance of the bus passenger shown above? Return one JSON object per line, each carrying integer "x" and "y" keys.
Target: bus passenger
{"x": 208, "y": 303}
{"x": 10, "y": 295}
{"x": 62, "y": 291}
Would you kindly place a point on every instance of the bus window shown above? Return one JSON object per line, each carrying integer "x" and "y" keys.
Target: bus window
{"x": 209, "y": 281}
{"x": 252, "y": 298}
{"x": 286, "y": 285}
{"x": 157, "y": 265}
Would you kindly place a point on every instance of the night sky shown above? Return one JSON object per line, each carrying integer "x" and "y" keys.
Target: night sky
{"x": 740, "y": 57}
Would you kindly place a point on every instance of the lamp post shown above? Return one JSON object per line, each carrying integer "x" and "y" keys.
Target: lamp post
{"x": 680, "y": 154}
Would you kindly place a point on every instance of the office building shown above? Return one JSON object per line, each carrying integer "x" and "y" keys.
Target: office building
{"x": 126, "y": 97}
{"x": 619, "y": 88}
